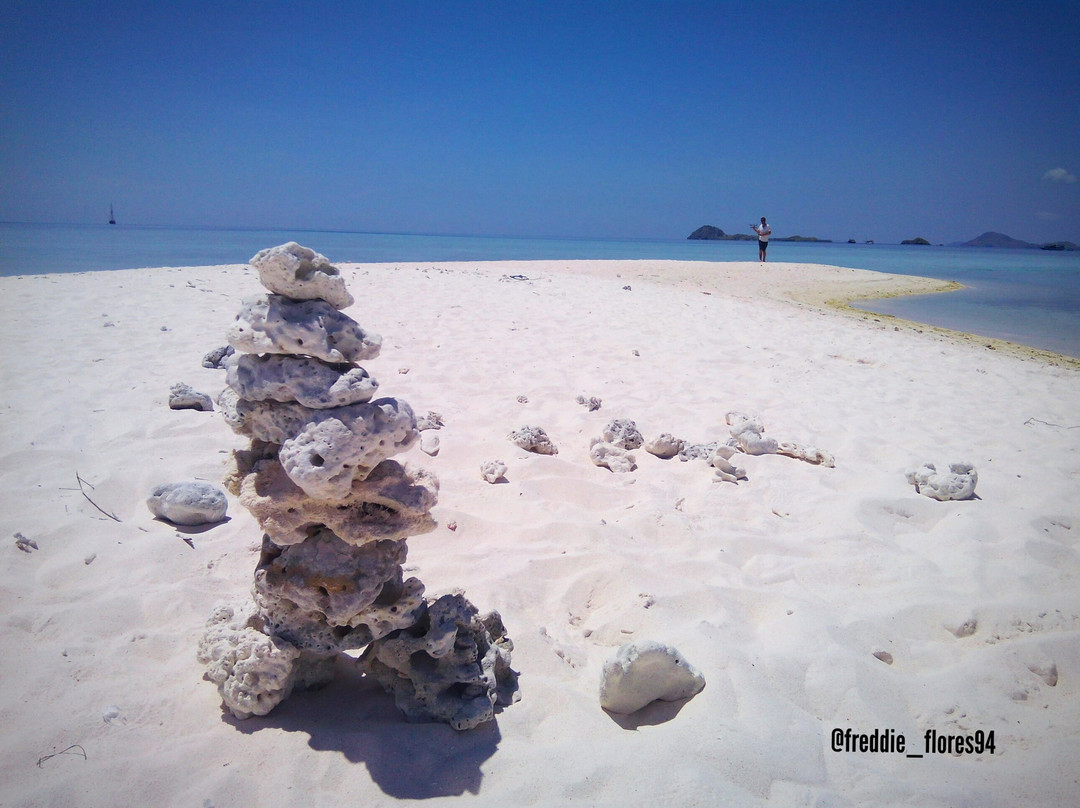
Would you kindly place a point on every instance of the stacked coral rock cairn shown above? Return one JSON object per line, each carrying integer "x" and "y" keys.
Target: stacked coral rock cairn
{"x": 336, "y": 512}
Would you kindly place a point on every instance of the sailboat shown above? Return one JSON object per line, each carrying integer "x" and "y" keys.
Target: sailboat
{"x": 112, "y": 218}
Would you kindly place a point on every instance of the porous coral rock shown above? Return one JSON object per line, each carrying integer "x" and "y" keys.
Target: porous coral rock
{"x": 642, "y": 672}
{"x": 697, "y": 451}
{"x": 452, "y": 666}
{"x": 276, "y": 324}
{"x": 270, "y": 421}
{"x": 253, "y": 671}
{"x": 623, "y": 433}
{"x": 188, "y": 503}
{"x": 432, "y": 420}
{"x": 811, "y": 454}
{"x": 215, "y": 359}
{"x": 533, "y": 439}
{"x": 958, "y": 483}
{"x": 345, "y": 443}
{"x": 326, "y": 575}
{"x": 323, "y": 451}
{"x": 393, "y": 502}
{"x": 747, "y": 433}
{"x": 609, "y": 456}
{"x": 308, "y": 381}
{"x": 493, "y": 470}
{"x": 591, "y": 403}
{"x": 302, "y": 274}
{"x": 184, "y": 397}
{"x": 665, "y": 445}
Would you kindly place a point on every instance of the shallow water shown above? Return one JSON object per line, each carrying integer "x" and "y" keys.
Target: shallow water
{"x": 1026, "y": 296}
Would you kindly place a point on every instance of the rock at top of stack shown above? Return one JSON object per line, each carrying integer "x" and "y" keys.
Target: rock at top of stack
{"x": 293, "y": 271}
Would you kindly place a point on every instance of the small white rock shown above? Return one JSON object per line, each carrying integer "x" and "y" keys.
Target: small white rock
{"x": 642, "y": 672}
{"x": 429, "y": 442}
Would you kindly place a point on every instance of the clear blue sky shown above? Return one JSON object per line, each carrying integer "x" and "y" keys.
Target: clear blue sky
{"x": 862, "y": 120}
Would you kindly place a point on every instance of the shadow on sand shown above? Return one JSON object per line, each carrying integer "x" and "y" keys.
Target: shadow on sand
{"x": 656, "y": 712}
{"x": 358, "y": 719}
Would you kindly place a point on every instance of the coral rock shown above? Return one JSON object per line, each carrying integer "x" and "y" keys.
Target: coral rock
{"x": 302, "y": 274}
{"x": 429, "y": 442}
{"x": 452, "y": 666}
{"x": 334, "y": 584}
{"x": 215, "y": 359}
{"x": 188, "y": 503}
{"x": 747, "y": 432}
{"x": 643, "y": 672}
{"x": 394, "y": 502}
{"x": 811, "y": 454}
{"x": 276, "y": 324}
{"x": 665, "y": 445}
{"x": 591, "y": 403}
{"x": 183, "y": 397}
{"x": 315, "y": 384}
{"x": 958, "y": 483}
{"x": 623, "y": 433}
{"x": 610, "y": 456}
{"x": 725, "y": 469}
{"x": 323, "y": 451}
{"x": 254, "y": 672}
{"x": 493, "y": 470}
{"x": 533, "y": 439}
{"x": 346, "y": 443}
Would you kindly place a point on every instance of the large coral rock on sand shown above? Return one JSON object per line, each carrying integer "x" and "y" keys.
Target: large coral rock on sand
{"x": 302, "y": 274}
{"x": 253, "y": 671}
{"x": 642, "y": 672}
{"x": 393, "y": 502}
{"x": 315, "y": 384}
{"x": 278, "y": 325}
{"x": 452, "y": 666}
{"x": 958, "y": 483}
{"x": 188, "y": 503}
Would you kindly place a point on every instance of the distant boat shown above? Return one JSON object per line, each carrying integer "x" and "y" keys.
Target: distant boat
{"x": 112, "y": 217}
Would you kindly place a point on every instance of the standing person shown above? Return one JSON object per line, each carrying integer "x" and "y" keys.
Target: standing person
{"x": 763, "y": 232}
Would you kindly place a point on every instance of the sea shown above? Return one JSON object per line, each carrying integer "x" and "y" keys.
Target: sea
{"x": 1027, "y": 296}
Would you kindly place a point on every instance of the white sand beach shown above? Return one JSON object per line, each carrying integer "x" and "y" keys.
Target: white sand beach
{"x": 790, "y": 590}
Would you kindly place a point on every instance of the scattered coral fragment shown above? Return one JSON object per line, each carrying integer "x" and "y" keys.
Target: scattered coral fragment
{"x": 533, "y": 439}
{"x": 958, "y": 483}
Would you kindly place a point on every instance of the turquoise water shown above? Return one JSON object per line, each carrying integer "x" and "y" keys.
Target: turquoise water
{"x": 1026, "y": 296}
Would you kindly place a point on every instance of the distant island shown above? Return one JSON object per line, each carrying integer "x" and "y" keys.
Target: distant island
{"x": 1000, "y": 240}
{"x": 709, "y": 233}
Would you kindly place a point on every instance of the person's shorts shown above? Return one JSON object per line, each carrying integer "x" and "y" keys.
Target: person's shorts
{"x": 762, "y": 245}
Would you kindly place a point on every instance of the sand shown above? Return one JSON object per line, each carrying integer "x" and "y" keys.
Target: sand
{"x": 788, "y": 591}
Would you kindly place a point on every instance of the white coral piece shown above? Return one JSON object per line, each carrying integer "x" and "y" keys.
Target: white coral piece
{"x": 302, "y": 274}
{"x": 254, "y": 672}
{"x": 642, "y": 672}
{"x": 958, "y": 483}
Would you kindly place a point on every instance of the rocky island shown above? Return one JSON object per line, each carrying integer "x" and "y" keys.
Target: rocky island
{"x": 708, "y": 232}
